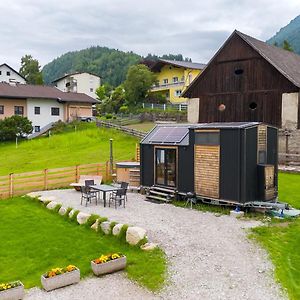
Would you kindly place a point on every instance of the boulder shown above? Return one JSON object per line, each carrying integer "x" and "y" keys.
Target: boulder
{"x": 149, "y": 246}
{"x": 105, "y": 227}
{"x": 82, "y": 217}
{"x": 47, "y": 198}
{"x": 134, "y": 235}
{"x": 51, "y": 205}
{"x": 95, "y": 225}
{"x": 117, "y": 229}
{"x": 71, "y": 213}
{"x": 62, "y": 211}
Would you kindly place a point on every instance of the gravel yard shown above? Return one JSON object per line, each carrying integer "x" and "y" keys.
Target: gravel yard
{"x": 209, "y": 256}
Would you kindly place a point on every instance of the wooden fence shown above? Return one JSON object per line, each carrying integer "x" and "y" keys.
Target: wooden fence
{"x": 19, "y": 184}
{"x": 134, "y": 132}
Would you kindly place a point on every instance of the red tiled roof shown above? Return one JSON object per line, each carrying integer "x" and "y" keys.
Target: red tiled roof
{"x": 24, "y": 91}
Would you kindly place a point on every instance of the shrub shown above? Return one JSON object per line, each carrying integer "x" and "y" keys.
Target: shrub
{"x": 57, "y": 208}
{"x": 108, "y": 116}
{"x": 74, "y": 217}
{"x": 91, "y": 220}
{"x": 122, "y": 234}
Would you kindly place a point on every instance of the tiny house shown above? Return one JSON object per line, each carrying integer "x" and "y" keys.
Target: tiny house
{"x": 219, "y": 162}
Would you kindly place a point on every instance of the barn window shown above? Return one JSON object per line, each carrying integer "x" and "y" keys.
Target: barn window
{"x": 253, "y": 105}
{"x": 222, "y": 107}
{"x": 238, "y": 71}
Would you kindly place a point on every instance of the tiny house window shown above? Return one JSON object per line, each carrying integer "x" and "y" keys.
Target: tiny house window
{"x": 1, "y": 109}
{"x": 54, "y": 111}
{"x": 207, "y": 138}
{"x": 165, "y": 81}
{"x": 238, "y": 71}
{"x": 175, "y": 79}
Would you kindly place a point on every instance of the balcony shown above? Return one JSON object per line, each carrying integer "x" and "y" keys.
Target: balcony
{"x": 166, "y": 86}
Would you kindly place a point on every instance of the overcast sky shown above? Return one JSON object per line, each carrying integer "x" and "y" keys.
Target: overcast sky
{"x": 195, "y": 28}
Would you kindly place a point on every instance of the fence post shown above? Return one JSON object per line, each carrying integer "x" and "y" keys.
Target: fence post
{"x": 143, "y": 105}
{"x": 179, "y": 107}
{"x": 152, "y": 105}
{"x": 77, "y": 171}
{"x": 11, "y": 185}
{"x": 164, "y": 106}
{"x": 45, "y": 179}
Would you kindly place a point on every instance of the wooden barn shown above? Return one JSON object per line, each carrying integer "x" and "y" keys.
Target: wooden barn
{"x": 220, "y": 162}
{"x": 248, "y": 80}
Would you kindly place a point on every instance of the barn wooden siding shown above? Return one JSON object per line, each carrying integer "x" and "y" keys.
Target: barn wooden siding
{"x": 207, "y": 171}
{"x": 258, "y": 83}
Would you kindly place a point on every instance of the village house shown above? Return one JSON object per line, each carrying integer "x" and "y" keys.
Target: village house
{"x": 79, "y": 82}
{"x": 249, "y": 80}
{"x": 173, "y": 77}
{"x": 43, "y": 105}
{"x": 8, "y": 74}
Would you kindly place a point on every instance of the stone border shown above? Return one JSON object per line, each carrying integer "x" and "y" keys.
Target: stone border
{"x": 134, "y": 235}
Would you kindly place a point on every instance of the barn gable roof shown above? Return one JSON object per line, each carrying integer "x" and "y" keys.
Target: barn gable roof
{"x": 286, "y": 62}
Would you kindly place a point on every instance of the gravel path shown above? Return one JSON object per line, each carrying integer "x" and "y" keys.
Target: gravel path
{"x": 209, "y": 257}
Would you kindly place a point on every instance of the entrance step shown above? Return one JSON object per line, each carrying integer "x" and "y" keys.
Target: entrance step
{"x": 163, "y": 194}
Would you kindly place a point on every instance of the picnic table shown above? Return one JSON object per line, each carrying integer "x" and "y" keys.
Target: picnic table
{"x": 104, "y": 188}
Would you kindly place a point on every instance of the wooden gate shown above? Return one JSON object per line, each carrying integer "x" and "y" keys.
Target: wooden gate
{"x": 207, "y": 170}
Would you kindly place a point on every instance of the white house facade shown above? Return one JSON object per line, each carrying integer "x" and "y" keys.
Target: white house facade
{"x": 41, "y": 112}
{"x": 9, "y": 75}
{"x": 43, "y": 105}
{"x": 86, "y": 83}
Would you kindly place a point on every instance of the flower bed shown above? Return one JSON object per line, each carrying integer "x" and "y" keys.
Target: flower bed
{"x": 108, "y": 263}
{"x": 11, "y": 291}
{"x": 60, "y": 277}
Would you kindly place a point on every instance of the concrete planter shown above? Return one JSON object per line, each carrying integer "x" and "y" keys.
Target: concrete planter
{"x": 15, "y": 293}
{"x": 110, "y": 266}
{"x": 61, "y": 280}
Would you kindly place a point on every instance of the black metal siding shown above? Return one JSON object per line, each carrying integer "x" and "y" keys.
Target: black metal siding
{"x": 272, "y": 150}
{"x": 230, "y": 165}
{"x": 147, "y": 165}
{"x": 186, "y": 169}
{"x": 250, "y": 184}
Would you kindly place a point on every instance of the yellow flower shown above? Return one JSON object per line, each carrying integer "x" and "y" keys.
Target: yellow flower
{"x": 114, "y": 256}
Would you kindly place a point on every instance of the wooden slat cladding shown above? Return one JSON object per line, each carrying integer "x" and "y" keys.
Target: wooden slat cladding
{"x": 207, "y": 171}
{"x": 262, "y": 138}
{"x": 237, "y": 108}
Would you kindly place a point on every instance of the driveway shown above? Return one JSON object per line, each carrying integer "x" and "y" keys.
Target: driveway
{"x": 210, "y": 256}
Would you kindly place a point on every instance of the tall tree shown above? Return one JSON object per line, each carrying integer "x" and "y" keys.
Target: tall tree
{"x": 138, "y": 82}
{"x": 30, "y": 69}
{"x": 287, "y": 46}
{"x": 15, "y": 126}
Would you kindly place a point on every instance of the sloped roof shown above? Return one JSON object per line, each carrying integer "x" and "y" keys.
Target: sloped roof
{"x": 12, "y": 70}
{"x": 24, "y": 91}
{"x": 184, "y": 64}
{"x": 286, "y": 62}
{"x": 75, "y": 73}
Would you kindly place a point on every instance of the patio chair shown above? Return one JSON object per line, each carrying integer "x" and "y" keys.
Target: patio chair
{"x": 87, "y": 195}
{"x": 81, "y": 182}
{"x": 88, "y": 183}
{"x": 118, "y": 197}
{"x": 124, "y": 185}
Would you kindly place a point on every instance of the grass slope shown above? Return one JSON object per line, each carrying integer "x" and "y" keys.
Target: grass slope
{"x": 89, "y": 145}
{"x": 34, "y": 240}
{"x": 282, "y": 240}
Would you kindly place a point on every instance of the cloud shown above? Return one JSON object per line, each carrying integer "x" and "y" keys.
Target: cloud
{"x": 194, "y": 28}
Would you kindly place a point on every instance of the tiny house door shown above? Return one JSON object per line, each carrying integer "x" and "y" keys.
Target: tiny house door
{"x": 207, "y": 163}
{"x": 165, "y": 166}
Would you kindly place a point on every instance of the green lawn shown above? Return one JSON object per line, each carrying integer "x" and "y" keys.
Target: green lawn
{"x": 90, "y": 145}
{"x": 34, "y": 240}
{"x": 282, "y": 240}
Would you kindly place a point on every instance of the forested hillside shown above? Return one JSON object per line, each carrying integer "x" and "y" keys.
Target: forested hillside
{"x": 110, "y": 64}
{"x": 290, "y": 33}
